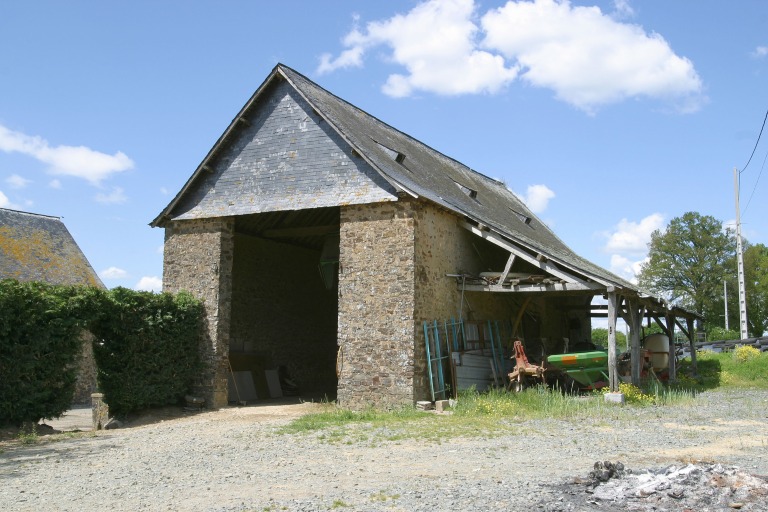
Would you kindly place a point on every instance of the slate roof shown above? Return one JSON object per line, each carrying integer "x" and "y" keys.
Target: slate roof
{"x": 40, "y": 248}
{"x": 414, "y": 168}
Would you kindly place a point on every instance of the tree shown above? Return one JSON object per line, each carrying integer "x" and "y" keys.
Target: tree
{"x": 687, "y": 263}
{"x": 756, "y": 288}
{"x": 600, "y": 337}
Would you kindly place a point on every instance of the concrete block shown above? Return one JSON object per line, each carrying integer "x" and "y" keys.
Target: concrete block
{"x": 616, "y": 398}
{"x": 441, "y": 405}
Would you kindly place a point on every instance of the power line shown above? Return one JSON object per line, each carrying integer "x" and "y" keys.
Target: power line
{"x": 756, "y": 143}
{"x": 756, "y": 182}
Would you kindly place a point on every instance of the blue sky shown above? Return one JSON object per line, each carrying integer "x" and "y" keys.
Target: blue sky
{"x": 609, "y": 117}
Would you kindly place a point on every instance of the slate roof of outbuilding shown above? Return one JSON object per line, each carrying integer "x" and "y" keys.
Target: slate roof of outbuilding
{"x": 419, "y": 170}
{"x": 37, "y": 247}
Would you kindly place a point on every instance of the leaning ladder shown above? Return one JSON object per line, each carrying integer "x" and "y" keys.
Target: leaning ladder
{"x": 435, "y": 360}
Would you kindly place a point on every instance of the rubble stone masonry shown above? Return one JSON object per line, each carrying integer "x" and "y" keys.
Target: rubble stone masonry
{"x": 198, "y": 258}
{"x": 394, "y": 262}
{"x": 376, "y": 305}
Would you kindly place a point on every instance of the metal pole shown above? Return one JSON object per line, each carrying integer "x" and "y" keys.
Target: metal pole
{"x": 740, "y": 261}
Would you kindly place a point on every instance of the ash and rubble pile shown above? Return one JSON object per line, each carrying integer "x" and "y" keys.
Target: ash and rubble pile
{"x": 694, "y": 487}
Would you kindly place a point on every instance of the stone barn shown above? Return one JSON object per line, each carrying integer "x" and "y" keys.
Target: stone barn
{"x": 36, "y": 247}
{"x": 321, "y": 239}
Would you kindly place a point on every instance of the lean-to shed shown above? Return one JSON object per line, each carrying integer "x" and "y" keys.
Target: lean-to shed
{"x": 321, "y": 238}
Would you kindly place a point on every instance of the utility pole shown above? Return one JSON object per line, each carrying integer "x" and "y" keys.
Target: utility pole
{"x": 725, "y": 301}
{"x": 740, "y": 262}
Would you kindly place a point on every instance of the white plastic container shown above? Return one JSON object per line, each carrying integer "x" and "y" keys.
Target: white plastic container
{"x": 658, "y": 346}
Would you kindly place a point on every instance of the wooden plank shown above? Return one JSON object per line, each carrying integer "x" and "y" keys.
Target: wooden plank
{"x": 508, "y": 266}
{"x": 543, "y": 265}
{"x": 301, "y": 231}
{"x": 241, "y": 387}
{"x": 273, "y": 382}
{"x": 534, "y": 288}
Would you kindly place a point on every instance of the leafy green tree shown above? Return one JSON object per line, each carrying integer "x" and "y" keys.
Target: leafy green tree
{"x": 756, "y": 288}
{"x": 756, "y": 282}
{"x": 600, "y": 337}
{"x": 687, "y": 263}
{"x": 717, "y": 333}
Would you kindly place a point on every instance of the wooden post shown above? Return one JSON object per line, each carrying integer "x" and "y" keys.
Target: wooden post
{"x": 672, "y": 372}
{"x": 613, "y": 373}
{"x": 691, "y": 338}
{"x": 635, "y": 326}
{"x": 635, "y": 321}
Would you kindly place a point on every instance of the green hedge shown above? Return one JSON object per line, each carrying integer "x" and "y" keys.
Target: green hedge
{"x": 39, "y": 345}
{"x": 146, "y": 348}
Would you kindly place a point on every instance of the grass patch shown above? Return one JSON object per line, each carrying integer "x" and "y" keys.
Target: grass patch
{"x": 493, "y": 413}
{"x": 745, "y": 367}
{"x": 28, "y": 434}
{"x": 498, "y": 412}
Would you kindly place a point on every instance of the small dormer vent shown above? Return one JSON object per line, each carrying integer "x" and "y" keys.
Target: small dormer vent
{"x": 523, "y": 217}
{"x": 394, "y": 155}
{"x": 469, "y": 191}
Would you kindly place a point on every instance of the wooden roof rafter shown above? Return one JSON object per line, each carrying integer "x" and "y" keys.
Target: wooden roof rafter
{"x": 564, "y": 280}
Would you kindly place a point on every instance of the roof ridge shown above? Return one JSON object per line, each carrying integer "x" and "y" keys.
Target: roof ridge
{"x": 31, "y": 213}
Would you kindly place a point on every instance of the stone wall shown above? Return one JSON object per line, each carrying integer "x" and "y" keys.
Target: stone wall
{"x": 444, "y": 247}
{"x": 198, "y": 258}
{"x": 86, "y": 372}
{"x": 394, "y": 261}
{"x": 376, "y": 305}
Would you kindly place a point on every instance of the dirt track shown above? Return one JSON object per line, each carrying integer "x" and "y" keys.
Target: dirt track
{"x": 234, "y": 459}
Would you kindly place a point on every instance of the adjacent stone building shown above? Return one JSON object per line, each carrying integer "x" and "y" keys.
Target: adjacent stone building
{"x": 37, "y": 247}
{"x": 320, "y": 239}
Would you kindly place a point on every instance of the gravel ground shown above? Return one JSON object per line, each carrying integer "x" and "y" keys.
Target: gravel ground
{"x": 235, "y": 460}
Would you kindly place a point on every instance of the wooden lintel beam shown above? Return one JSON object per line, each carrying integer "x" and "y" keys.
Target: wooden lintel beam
{"x": 531, "y": 288}
{"x": 301, "y": 231}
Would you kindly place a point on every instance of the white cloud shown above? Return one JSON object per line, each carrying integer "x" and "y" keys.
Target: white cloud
{"x": 149, "y": 284}
{"x": 633, "y": 237}
{"x": 625, "y": 267}
{"x": 16, "y": 181}
{"x": 622, "y": 9}
{"x": 436, "y": 43}
{"x": 54, "y": 184}
{"x": 77, "y": 161}
{"x": 760, "y": 52}
{"x": 117, "y": 196}
{"x": 113, "y": 273}
{"x": 586, "y": 57}
{"x": 351, "y": 58}
{"x": 537, "y": 198}
{"x": 6, "y": 203}
{"x": 628, "y": 245}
